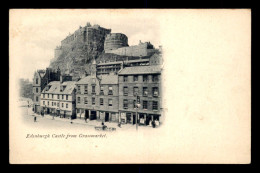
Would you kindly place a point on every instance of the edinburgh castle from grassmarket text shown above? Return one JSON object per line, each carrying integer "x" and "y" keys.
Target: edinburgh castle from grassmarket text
{"x": 95, "y": 76}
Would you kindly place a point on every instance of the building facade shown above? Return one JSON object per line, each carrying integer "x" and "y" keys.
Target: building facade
{"x": 58, "y": 99}
{"x": 144, "y": 82}
{"x": 40, "y": 80}
{"x": 97, "y": 97}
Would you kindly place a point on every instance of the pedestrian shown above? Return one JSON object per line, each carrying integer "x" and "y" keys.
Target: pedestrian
{"x": 153, "y": 124}
{"x": 119, "y": 124}
{"x": 35, "y": 119}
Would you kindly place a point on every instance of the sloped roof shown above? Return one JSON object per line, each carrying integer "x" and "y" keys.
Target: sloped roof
{"x": 140, "y": 70}
{"x": 109, "y": 79}
{"x": 104, "y": 79}
{"x": 55, "y": 87}
{"x": 85, "y": 80}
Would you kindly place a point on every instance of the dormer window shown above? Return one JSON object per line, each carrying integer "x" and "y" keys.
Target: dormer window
{"x": 48, "y": 87}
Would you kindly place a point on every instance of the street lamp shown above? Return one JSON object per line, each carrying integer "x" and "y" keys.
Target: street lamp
{"x": 137, "y": 106}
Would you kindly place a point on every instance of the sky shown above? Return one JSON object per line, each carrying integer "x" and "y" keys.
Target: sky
{"x": 36, "y": 33}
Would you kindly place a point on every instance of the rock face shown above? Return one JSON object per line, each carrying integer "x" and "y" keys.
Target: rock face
{"x": 79, "y": 49}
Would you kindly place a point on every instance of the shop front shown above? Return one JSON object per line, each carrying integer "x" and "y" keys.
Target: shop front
{"x": 37, "y": 109}
{"x": 80, "y": 113}
{"x": 127, "y": 117}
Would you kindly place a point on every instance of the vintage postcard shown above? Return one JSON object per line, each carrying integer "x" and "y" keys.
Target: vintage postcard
{"x": 130, "y": 86}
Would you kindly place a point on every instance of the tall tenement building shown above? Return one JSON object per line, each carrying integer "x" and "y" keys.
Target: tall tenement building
{"x": 145, "y": 82}
{"x": 97, "y": 97}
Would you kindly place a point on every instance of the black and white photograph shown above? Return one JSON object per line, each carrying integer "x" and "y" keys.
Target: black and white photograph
{"x": 129, "y": 86}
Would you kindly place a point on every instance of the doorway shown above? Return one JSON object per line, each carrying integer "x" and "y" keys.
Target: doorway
{"x": 93, "y": 115}
{"x": 106, "y": 116}
{"x": 134, "y": 118}
{"x": 86, "y": 114}
{"x": 148, "y": 118}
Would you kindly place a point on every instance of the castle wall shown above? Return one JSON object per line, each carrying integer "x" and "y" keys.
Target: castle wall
{"x": 86, "y": 35}
{"x": 115, "y": 41}
{"x": 138, "y": 50}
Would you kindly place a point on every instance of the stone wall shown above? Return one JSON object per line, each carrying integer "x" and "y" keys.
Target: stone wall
{"x": 143, "y": 49}
{"x": 115, "y": 41}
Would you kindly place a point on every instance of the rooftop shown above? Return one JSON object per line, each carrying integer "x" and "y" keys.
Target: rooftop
{"x": 104, "y": 79}
{"x": 140, "y": 70}
{"x": 56, "y": 85}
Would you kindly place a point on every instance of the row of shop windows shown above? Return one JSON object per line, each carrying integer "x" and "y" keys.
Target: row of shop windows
{"x": 58, "y": 96}
{"x": 110, "y": 89}
{"x": 155, "y": 91}
{"x": 54, "y": 104}
{"x": 155, "y": 78}
{"x": 144, "y": 104}
{"x": 93, "y": 101}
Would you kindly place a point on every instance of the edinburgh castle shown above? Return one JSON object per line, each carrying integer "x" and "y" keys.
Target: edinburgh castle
{"x": 78, "y": 50}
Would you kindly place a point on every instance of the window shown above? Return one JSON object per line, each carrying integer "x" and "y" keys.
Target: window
{"x": 66, "y": 105}
{"x": 134, "y": 104}
{"x": 135, "y": 91}
{"x": 135, "y": 78}
{"x": 62, "y": 105}
{"x": 155, "y": 91}
{"x": 125, "y": 90}
{"x": 52, "y": 96}
{"x": 93, "y": 89}
{"x": 78, "y": 99}
{"x": 155, "y": 78}
{"x": 67, "y": 97}
{"x": 125, "y": 105}
{"x": 52, "y": 103}
{"x": 110, "y": 90}
{"x": 43, "y": 95}
{"x": 93, "y": 101}
{"x": 145, "y": 104}
{"x": 48, "y": 95}
{"x": 78, "y": 88}
{"x": 48, "y": 103}
{"x": 102, "y": 90}
{"x": 43, "y": 102}
{"x": 85, "y": 100}
{"x": 37, "y": 80}
{"x": 58, "y": 104}
{"x": 125, "y": 78}
{"x": 145, "y": 78}
{"x": 155, "y": 105}
{"x": 110, "y": 102}
{"x": 101, "y": 101}
{"x": 85, "y": 89}
{"x": 37, "y": 98}
{"x": 62, "y": 97}
{"x": 36, "y": 90}
{"x": 145, "y": 91}
{"x": 58, "y": 96}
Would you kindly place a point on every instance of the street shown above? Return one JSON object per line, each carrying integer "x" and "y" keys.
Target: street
{"x": 77, "y": 124}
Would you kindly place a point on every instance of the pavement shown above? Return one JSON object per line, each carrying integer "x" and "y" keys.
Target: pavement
{"x": 89, "y": 124}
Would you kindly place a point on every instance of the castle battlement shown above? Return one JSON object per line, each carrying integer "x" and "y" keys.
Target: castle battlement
{"x": 85, "y": 34}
